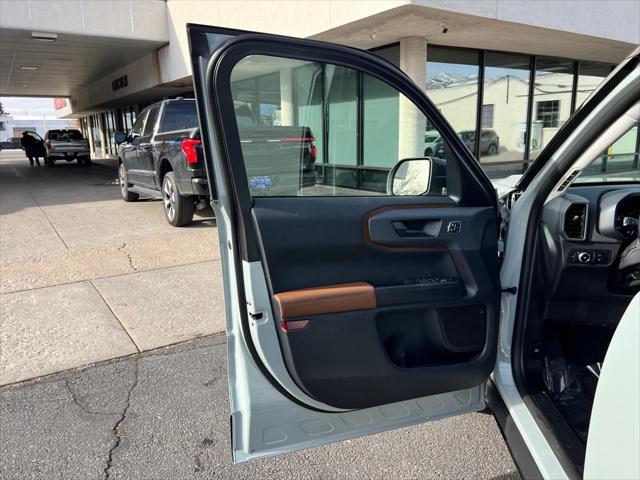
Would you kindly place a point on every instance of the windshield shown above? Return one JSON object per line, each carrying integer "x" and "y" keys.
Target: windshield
{"x": 431, "y": 138}
{"x": 65, "y": 135}
{"x": 618, "y": 164}
{"x": 466, "y": 135}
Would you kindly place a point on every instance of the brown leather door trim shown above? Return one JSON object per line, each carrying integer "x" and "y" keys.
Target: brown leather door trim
{"x": 343, "y": 297}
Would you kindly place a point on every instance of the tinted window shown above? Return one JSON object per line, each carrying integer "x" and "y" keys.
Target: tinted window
{"x": 151, "y": 121}
{"x": 179, "y": 116}
{"x": 328, "y": 137}
{"x": 64, "y": 135}
{"x": 137, "y": 127}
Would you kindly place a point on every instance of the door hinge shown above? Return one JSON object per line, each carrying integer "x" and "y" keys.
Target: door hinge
{"x": 511, "y": 290}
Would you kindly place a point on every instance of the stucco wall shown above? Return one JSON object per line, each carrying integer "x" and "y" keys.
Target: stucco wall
{"x": 139, "y": 19}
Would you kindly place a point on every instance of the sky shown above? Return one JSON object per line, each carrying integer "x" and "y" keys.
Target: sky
{"x": 28, "y": 107}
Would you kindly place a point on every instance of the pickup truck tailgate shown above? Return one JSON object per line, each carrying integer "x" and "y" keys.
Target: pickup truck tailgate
{"x": 68, "y": 146}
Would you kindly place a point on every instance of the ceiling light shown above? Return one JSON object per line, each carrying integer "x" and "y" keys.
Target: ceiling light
{"x": 28, "y": 67}
{"x": 44, "y": 36}
{"x": 24, "y": 84}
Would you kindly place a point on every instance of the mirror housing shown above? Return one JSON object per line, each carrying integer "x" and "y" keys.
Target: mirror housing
{"x": 410, "y": 176}
{"x": 120, "y": 137}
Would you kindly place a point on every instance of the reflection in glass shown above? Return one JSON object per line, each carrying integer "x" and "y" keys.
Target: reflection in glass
{"x": 381, "y": 110}
{"x": 452, "y": 85}
{"x": 307, "y": 128}
{"x": 590, "y": 75}
{"x": 342, "y": 87}
{"x": 552, "y": 93}
{"x": 412, "y": 177}
{"x": 506, "y": 89}
{"x": 620, "y": 160}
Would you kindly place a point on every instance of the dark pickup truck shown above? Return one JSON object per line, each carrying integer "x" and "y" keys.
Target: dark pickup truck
{"x": 163, "y": 155}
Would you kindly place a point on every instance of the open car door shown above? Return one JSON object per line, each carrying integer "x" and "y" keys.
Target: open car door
{"x": 361, "y": 278}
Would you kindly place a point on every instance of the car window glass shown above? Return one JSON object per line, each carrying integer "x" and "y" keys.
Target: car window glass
{"x": 137, "y": 127}
{"x": 179, "y": 116}
{"x": 326, "y": 130}
{"x": 64, "y": 135}
{"x": 151, "y": 121}
{"x": 618, "y": 163}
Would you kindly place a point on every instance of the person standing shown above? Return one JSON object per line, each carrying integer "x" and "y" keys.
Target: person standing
{"x": 30, "y": 146}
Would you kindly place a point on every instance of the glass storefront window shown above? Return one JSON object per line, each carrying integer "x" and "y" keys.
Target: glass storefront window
{"x": 552, "y": 94}
{"x": 590, "y": 75}
{"x": 97, "y": 138}
{"x": 308, "y": 100}
{"x": 341, "y": 85}
{"x": 381, "y": 113}
{"x": 506, "y": 88}
{"x": 452, "y": 85}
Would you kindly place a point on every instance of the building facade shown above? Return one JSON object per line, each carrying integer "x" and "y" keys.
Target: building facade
{"x": 506, "y": 74}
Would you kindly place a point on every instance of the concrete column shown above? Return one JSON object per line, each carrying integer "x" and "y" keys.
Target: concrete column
{"x": 103, "y": 136}
{"x": 286, "y": 97}
{"x": 412, "y": 123}
{"x": 92, "y": 146}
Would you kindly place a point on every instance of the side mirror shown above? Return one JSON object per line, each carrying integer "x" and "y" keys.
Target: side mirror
{"x": 410, "y": 176}
{"x": 120, "y": 137}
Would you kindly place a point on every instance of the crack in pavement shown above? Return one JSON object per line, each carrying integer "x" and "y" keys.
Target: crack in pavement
{"x": 82, "y": 407}
{"x": 123, "y": 416}
{"x": 129, "y": 257}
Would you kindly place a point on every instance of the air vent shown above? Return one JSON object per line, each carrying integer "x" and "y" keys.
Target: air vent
{"x": 567, "y": 181}
{"x": 575, "y": 221}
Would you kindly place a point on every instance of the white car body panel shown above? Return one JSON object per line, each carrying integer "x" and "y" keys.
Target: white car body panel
{"x": 614, "y": 430}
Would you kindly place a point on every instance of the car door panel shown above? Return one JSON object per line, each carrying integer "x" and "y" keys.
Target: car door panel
{"x": 398, "y": 316}
{"x": 266, "y": 422}
{"x": 346, "y": 315}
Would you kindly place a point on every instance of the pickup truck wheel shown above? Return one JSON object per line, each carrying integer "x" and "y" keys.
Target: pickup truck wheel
{"x": 127, "y": 196}
{"x": 86, "y": 161}
{"x": 177, "y": 208}
{"x": 49, "y": 161}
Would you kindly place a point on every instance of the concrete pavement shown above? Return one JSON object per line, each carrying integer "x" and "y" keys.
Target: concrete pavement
{"x": 164, "y": 414}
{"x": 85, "y": 277}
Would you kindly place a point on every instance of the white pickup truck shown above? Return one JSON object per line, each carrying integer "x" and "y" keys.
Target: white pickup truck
{"x": 66, "y": 144}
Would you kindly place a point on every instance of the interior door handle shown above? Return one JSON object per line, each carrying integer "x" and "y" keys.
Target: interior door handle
{"x": 416, "y": 228}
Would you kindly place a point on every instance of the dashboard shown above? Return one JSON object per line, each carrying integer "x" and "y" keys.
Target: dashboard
{"x": 582, "y": 236}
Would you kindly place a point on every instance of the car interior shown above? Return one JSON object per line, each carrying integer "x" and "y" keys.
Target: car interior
{"x": 586, "y": 273}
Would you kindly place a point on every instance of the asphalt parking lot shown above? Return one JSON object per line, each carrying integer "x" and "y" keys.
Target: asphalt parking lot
{"x": 164, "y": 414}
{"x": 112, "y": 359}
